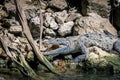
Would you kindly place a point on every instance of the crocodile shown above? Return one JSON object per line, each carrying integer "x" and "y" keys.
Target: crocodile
{"x": 81, "y": 43}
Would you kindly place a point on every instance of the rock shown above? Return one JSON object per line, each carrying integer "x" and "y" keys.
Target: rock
{"x": 49, "y": 32}
{"x": 60, "y": 17}
{"x": 99, "y": 59}
{"x": 15, "y": 44}
{"x": 73, "y": 66}
{"x": 10, "y": 6}
{"x": 68, "y": 57}
{"x": 23, "y": 40}
{"x": 93, "y": 23}
{"x": 59, "y": 64}
{"x": 66, "y": 28}
{"x": 80, "y": 5}
{"x": 16, "y": 40}
{"x": 15, "y": 29}
{"x": 58, "y": 4}
{"x": 31, "y": 13}
{"x": 43, "y": 5}
{"x": 23, "y": 50}
{"x": 2, "y": 63}
{"x": 73, "y": 17}
{"x": 11, "y": 36}
{"x": 34, "y": 26}
{"x": 3, "y": 14}
{"x": 50, "y": 21}
{"x": 10, "y": 22}
{"x": 28, "y": 1}
{"x": 35, "y": 21}
{"x": 100, "y": 7}
{"x": 2, "y": 78}
{"x": 48, "y": 37}
{"x": 47, "y": 19}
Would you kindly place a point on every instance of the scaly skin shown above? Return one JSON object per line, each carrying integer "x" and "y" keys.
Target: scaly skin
{"x": 80, "y": 44}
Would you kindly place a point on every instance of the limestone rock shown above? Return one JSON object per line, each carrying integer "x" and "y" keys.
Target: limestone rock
{"x": 66, "y": 28}
{"x": 35, "y": 21}
{"x": 99, "y": 59}
{"x": 2, "y": 78}
{"x": 59, "y": 4}
{"x": 15, "y": 29}
{"x": 10, "y": 22}
{"x": 72, "y": 17}
{"x": 49, "y": 32}
{"x": 93, "y": 23}
{"x": 2, "y": 63}
{"x": 43, "y": 5}
{"x": 50, "y": 21}
{"x": 3, "y": 14}
{"x": 10, "y": 6}
{"x": 23, "y": 40}
{"x": 100, "y": 7}
{"x": 60, "y": 16}
{"x": 31, "y": 13}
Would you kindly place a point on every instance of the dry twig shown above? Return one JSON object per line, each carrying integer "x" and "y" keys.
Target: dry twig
{"x": 41, "y": 24}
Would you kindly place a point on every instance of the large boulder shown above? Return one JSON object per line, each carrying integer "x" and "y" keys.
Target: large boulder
{"x": 100, "y": 7}
{"x": 102, "y": 60}
{"x": 93, "y": 23}
{"x": 58, "y": 4}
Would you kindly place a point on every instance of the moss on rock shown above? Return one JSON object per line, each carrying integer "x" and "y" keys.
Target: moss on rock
{"x": 102, "y": 60}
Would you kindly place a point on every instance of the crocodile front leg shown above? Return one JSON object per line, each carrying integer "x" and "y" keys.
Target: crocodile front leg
{"x": 83, "y": 49}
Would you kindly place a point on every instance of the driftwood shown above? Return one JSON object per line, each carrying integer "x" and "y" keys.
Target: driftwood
{"x": 41, "y": 24}
{"x": 20, "y": 62}
{"x": 27, "y": 33}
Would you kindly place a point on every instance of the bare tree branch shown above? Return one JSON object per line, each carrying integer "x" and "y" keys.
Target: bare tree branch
{"x": 22, "y": 64}
{"x": 41, "y": 24}
{"x": 29, "y": 37}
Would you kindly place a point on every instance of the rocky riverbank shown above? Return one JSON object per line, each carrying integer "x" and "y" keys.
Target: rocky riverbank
{"x": 61, "y": 18}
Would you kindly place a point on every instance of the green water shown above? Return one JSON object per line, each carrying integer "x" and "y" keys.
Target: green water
{"x": 68, "y": 76}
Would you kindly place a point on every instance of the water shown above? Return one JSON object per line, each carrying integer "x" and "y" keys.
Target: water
{"x": 65, "y": 76}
